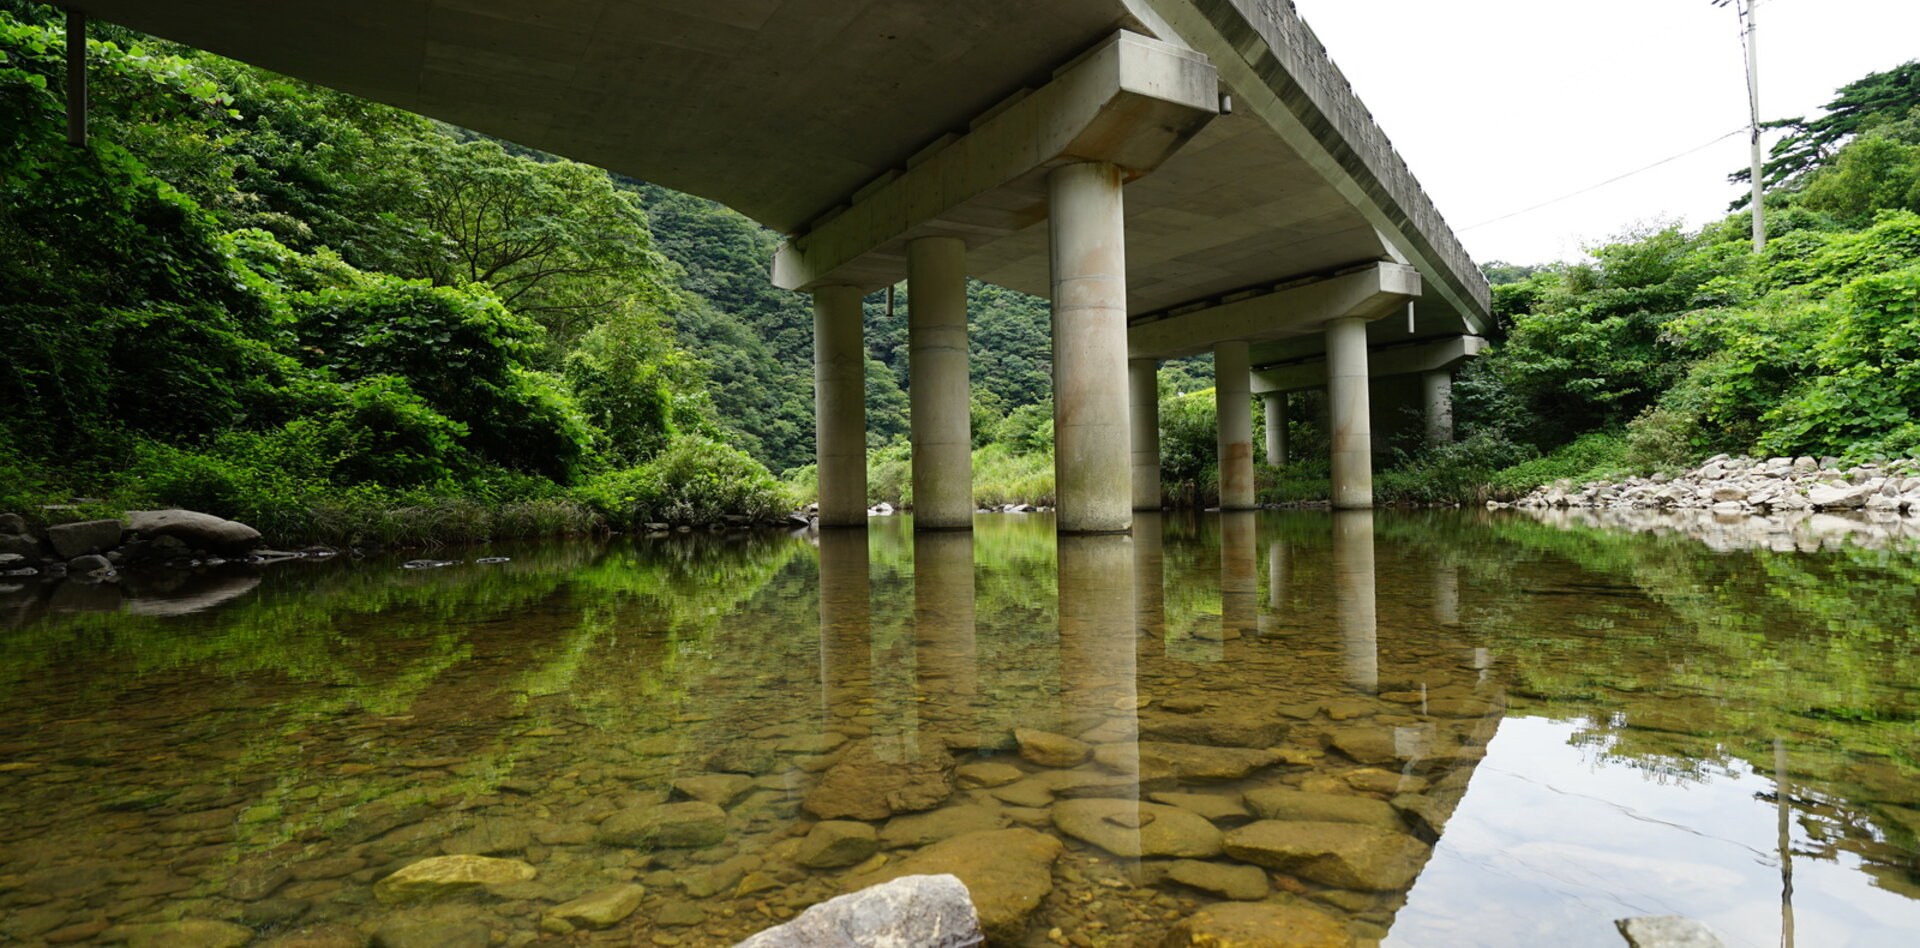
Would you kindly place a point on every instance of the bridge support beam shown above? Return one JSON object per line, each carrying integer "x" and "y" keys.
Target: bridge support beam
{"x": 940, "y": 407}
{"x": 1276, "y": 405}
{"x": 840, "y": 405}
{"x": 1350, "y": 413}
{"x": 1233, "y": 410}
{"x": 1436, "y": 403}
{"x": 1093, "y": 464}
{"x": 1143, "y": 385}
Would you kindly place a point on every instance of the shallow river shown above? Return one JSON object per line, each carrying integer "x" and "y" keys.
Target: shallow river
{"x": 1433, "y": 729}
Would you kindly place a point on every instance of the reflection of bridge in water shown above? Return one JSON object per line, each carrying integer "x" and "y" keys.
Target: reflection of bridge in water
{"x": 1191, "y": 701}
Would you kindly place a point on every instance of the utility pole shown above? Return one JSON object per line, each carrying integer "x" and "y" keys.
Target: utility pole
{"x": 1749, "y": 41}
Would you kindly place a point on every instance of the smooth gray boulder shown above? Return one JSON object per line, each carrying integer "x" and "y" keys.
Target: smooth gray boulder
{"x": 204, "y": 531}
{"x": 909, "y": 912}
{"x": 88, "y": 536}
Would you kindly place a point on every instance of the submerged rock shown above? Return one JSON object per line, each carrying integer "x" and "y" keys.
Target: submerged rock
{"x": 691, "y": 824}
{"x": 1666, "y": 931}
{"x": 444, "y": 875}
{"x": 1132, "y": 829}
{"x": 185, "y": 933}
{"x": 834, "y": 843}
{"x": 1343, "y": 855}
{"x": 1285, "y": 804}
{"x": 862, "y": 786}
{"x": 603, "y": 908}
{"x": 924, "y": 911}
{"x": 919, "y": 829}
{"x": 1257, "y": 925}
{"x": 1051, "y": 750}
{"x": 1242, "y": 883}
{"x": 1006, "y": 872}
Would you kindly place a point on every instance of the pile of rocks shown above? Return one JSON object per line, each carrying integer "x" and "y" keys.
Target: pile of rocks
{"x": 95, "y": 550}
{"x": 1732, "y": 485}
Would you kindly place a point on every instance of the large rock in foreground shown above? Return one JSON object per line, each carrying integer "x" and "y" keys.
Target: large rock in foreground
{"x": 861, "y": 786}
{"x": 1257, "y": 925}
{"x": 445, "y": 875}
{"x": 930, "y": 911}
{"x": 1007, "y": 872}
{"x": 203, "y": 531}
{"x": 1344, "y": 855}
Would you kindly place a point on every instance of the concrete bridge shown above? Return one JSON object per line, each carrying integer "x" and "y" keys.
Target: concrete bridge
{"x": 1178, "y": 176}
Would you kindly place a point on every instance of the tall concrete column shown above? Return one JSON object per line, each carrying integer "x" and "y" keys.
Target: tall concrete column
{"x": 1276, "y": 406}
{"x": 1143, "y": 388}
{"x": 1233, "y": 407}
{"x": 1436, "y": 404}
{"x": 1353, "y": 588}
{"x": 1348, "y": 408}
{"x": 840, "y": 405}
{"x": 1092, "y": 463}
{"x": 937, "y": 359}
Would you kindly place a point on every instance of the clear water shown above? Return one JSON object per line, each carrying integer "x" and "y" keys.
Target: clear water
{"x": 1601, "y": 719}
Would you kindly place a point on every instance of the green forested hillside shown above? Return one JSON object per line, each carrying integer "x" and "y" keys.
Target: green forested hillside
{"x": 1672, "y": 345}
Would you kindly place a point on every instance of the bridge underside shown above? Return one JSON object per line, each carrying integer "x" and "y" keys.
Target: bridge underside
{"x": 1257, "y": 189}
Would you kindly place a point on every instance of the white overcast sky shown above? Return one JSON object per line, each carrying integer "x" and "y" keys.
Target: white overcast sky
{"x": 1498, "y": 105}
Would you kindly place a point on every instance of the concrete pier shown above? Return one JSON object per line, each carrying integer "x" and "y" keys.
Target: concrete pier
{"x": 840, "y": 405}
{"x": 1436, "y": 405}
{"x": 1350, "y": 415}
{"x": 1233, "y": 409}
{"x": 1093, "y": 464}
{"x": 941, "y": 425}
{"x": 1275, "y": 404}
{"x": 1143, "y": 388}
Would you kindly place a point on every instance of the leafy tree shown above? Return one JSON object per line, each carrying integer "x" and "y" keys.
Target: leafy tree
{"x": 1858, "y": 106}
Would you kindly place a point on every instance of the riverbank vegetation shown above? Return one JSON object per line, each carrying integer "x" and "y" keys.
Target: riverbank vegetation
{"x": 331, "y": 319}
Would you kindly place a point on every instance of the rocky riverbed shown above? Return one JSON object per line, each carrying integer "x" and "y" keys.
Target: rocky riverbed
{"x": 1733, "y": 485}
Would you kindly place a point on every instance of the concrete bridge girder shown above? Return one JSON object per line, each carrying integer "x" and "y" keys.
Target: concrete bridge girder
{"x": 1430, "y": 363}
{"x": 1129, "y": 102}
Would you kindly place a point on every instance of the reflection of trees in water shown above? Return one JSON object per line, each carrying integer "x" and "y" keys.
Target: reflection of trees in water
{"x": 1679, "y": 661}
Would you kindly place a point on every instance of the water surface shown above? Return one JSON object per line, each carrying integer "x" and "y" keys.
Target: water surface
{"x": 1574, "y": 721}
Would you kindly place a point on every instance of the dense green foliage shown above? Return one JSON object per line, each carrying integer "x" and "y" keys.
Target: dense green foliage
{"x": 1668, "y": 346}
{"x": 268, "y": 300}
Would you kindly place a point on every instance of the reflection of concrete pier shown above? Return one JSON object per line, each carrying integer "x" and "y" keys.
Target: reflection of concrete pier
{"x": 943, "y": 633}
{"x": 1239, "y": 576}
{"x": 1354, "y": 596}
{"x": 846, "y": 622}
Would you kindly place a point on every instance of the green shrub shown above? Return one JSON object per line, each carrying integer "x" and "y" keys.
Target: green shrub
{"x": 695, "y": 480}
{"x": 1597, "y": 454}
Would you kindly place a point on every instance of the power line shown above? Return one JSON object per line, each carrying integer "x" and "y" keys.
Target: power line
{"x": 1596, "y": 187}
